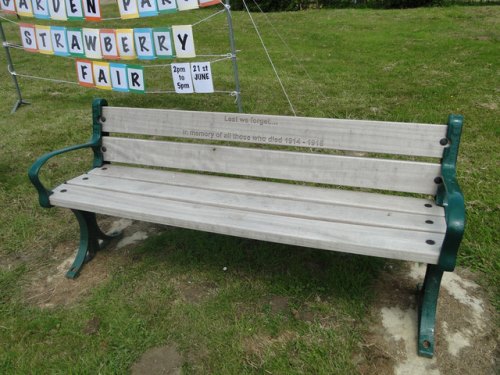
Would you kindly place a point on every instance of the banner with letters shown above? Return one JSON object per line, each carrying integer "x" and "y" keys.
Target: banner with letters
{"x": 110, "y": 44}
{"x": 188, "y": 78}
{"x": 90, "y": 10}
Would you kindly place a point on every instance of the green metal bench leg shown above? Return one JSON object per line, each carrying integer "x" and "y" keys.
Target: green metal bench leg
{"x": 428, "y": 297}
{"x": 90, "y": 234}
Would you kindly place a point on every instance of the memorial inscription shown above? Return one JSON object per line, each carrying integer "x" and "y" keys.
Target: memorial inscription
{"x": 245, "y": 129}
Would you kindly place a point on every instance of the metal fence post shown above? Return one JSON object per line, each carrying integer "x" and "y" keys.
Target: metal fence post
{"x": 10, "y": 66}
{"x": 233, "y": 56}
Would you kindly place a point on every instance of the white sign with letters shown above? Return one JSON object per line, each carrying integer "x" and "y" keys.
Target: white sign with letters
{"x": 181, "y": 74}
{"x": 201, "y": 73}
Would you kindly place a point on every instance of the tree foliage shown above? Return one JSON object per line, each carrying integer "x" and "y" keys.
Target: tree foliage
{"x": 290, "y": 5}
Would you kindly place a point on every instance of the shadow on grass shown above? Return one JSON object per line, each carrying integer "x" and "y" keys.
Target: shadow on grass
{"x": 295, "y": 271}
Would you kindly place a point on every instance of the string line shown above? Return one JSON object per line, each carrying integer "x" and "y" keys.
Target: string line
{"x": 269, "y": 58}
{"x": 43, "y": 78}
{"x": 173, "y": 92}
{"x": 232, "y": 93}
{"x": 226, "y": 57}
{"x": 119, "y": 18}
{"x": 207, "y": 18}
{"x": 9, "y": 20}
{"x": 297, "y": 61}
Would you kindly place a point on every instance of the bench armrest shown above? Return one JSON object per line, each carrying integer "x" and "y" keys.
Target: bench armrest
{"x": 94, "y": 143}
{"x": 451, "y": 198}
{"x": 33, "y": 173}
{"x": 454, "y": 208}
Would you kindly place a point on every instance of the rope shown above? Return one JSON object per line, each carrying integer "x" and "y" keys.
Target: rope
{"x": 18, "y": 46}
{"x": 42, "y": 78}
{"x": 6, "y": 19}
{"x": 119, "y": 18}
{"x": 297, "y": 61}
{"x": 269, "y": 58}
{"x": 207, "y": 18}
{"x": 226, "y": 57}
{"x": 173, "y": 92}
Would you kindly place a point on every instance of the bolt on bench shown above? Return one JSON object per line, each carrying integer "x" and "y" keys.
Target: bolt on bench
{"x": 222, "y": 189}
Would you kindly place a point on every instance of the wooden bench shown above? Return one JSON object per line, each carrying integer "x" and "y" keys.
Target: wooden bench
{"x": 176, "y": 168}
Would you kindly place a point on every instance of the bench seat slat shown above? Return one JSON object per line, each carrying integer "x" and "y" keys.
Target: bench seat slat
{"x": 273, "y": 189}
{"x": 395, "y": 175}
{"x": 354, "y": 135}
{"x": 266, "y": 204}
{"x": 357, "y": 239}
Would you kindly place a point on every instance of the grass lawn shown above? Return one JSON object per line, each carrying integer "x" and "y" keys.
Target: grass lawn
{"x": 404, "y": 65}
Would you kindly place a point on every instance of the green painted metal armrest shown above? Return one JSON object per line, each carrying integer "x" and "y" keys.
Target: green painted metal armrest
{"x": 94, "y": 143}
{"x": 33, "y": 174}
{"x": 451, "y": 198}
{"x": 454, "y": 208}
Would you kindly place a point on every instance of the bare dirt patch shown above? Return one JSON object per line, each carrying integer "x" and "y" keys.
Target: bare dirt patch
{"x": 279, "y": 304}
{"x": 48, "y": 286}
{"x": 92, "y": 326}
{"x": 466, "y": 339}
{"x": 259, "y": 346}
{"x": 194, "y": 291}
{"x": 162, "y": 360}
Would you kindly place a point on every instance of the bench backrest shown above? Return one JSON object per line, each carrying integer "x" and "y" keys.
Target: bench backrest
{"x": 310, "y": 139}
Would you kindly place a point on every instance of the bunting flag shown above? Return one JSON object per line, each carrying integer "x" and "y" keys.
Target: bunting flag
{"x": 162, "y": 38}
{"x": 144, "y": 46}
{"x": 119, "y": 80}
{"x": 28, "y": 36}
{"x": 57, "y": 10}
{"x": 59, "y": 41}
{"x": 24, "y": 8}
{"x": 110, "y": 44}
{"x": 207, "y": 3}
{"x": 135, "y": 78}
{"x": 74, "y": 9}
{"x": 8, "y": 6}
{"x": 75, "y": 42}
{"x": 85, "y": 73}
{"x": 92, "y": 43}
{"x": 90, "y": 10}
{"x": 41, "y": 9}
{"x": 147, "y": 8}
{"x": 187, "y": 4}
{"x": 102, "y": 78}
{"x": 126, "y": 47}
{"x": 167, "y": 6}
{"x": 43, "y": 39}
{"x": 184, "y": 41}
{"x": 128, "y": 9}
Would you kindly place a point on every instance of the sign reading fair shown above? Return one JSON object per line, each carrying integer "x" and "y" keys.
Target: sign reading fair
{"x": 106, "y": 76}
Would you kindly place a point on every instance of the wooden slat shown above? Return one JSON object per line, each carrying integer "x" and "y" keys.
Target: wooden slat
{"x": 276, "y": 206}
{"x": 295, "y": 192}
{"x": 395, "y": 175}
{"x": 374, "y": 241}
{"x": 354, "y": 135}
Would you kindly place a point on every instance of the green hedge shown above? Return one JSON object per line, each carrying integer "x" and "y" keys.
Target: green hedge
{"x": 288, "y": 5}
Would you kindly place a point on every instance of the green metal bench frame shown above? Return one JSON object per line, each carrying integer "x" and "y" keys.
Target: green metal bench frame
{"x": 449, "y": 196}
